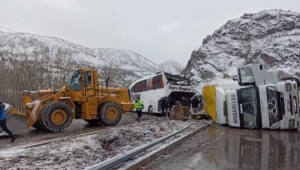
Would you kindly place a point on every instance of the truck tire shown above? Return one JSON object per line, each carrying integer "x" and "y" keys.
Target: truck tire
{"x": 56, "y": 117}
{"x": 110, "y": 114}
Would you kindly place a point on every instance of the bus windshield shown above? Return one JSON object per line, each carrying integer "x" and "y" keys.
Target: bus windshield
{"x": 249, "y": 106}
{"x": 177, "y": 80}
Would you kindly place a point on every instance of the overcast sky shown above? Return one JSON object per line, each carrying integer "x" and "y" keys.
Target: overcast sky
{"x": 158, "y": 29}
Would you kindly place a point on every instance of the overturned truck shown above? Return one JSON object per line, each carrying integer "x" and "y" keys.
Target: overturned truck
{"x": 259, "y": 100}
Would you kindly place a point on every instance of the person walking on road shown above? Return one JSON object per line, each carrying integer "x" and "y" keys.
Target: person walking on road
{"x": 185, "y": 107}
{"x": 195, "y": 104}
{"x": 3, "y": 122}
{"x": 164, "y": 106}
{"x": 139, "y": 106}
{"x": 201, "y": 103}
{"x": 171, "y": 102}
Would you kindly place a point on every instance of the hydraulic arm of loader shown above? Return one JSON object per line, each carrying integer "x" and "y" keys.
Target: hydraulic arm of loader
{"x": 18, "y": 121}
{"x": 33, "y": 107}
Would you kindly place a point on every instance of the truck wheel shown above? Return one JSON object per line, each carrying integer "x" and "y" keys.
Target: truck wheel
{"x": 150, "y": 110}
{"x": 110, "y": 114}
{"x": 56, "y": 117}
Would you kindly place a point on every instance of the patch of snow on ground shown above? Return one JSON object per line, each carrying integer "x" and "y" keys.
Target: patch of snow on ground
{"x": 79, "y": 152}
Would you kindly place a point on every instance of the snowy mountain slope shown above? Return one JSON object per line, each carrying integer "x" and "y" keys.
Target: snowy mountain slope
{"x": 30, "y": 43}
{"x": 271, "y": 35}
{"x": 126, "y": 59}
{"x": 30, "y": 46}
{"x": 171, "y": 66}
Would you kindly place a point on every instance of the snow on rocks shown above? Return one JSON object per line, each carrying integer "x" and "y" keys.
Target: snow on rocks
{"x": 79, "y": 152}
{"x": 271, "y": 36}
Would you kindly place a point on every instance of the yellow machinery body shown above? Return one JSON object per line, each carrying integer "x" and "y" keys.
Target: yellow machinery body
{"x": 80, "y": 98}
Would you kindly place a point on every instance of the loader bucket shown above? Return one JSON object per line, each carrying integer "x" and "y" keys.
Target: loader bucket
{"x": 16, "y": 121}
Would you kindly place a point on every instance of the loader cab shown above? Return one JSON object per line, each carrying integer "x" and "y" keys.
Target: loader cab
{"x": 75, "y": 82}
{"x": 82, "y": 83}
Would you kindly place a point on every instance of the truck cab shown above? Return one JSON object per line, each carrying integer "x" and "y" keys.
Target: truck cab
{"x": 261, "y": 100}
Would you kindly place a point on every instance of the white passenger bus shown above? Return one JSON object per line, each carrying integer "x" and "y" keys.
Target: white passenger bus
{"x": 152, "y": 88}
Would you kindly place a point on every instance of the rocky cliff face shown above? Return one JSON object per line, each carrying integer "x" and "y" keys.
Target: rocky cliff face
{"x": 271, "y": 36}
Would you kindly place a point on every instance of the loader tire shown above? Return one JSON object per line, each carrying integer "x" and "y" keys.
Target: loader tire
{"x": 38, "y": 125}
{"x": 93, "y": 122}
{"x": 110, "y": 114}
{"x": 56, "y": 117}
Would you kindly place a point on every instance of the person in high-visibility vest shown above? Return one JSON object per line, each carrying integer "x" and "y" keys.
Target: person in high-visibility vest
{"x": 139, "y": 106}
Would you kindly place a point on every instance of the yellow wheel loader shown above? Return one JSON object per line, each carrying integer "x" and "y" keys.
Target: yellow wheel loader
{"x": 80, "y": 98}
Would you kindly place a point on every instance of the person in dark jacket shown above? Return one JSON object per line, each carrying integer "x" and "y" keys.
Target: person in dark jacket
{"x": 201, "y": 102}
{"x": 184, "y": 101}
{"x": 164, "y": 105}
{"x": 3, "y": 122}
{"x": 139, "y": 106}
{"x": 195, "y": 104}
{"x": 171, "y": 102}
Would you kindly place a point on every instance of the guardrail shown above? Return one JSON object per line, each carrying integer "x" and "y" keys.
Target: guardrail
{"x": 122, "y": 158}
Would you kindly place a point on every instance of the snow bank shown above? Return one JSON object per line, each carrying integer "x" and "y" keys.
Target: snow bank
{"x": 79, "y": 152}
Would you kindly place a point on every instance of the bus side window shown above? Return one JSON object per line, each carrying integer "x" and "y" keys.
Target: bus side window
{"x": 149, "y": 84}
{"x": 144, "y": 85}
{"x": 152, "y": 84}
{"x": 158, "y": 83}
{"x": 136, "y": 89}
{"x": 139, "y": 87}
{"x": 132, "y": 89}
{"x": 161, "y": 83}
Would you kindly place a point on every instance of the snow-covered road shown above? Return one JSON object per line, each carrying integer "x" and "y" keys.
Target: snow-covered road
{"x": 79, "y": 152}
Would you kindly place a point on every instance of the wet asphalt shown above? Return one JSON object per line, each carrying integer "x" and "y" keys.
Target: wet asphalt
{"x": 224, "y": 148}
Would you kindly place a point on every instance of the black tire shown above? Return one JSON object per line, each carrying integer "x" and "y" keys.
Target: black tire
{"x": 150, "y": 110}
{"x": 37, "y": 125}
{"x": 93, "y": 122}
{"x": 103, "y": 117}
{"x": 49, "y": 109}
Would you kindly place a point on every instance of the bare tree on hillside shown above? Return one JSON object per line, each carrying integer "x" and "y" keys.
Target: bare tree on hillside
{"x": 110, "y": 71}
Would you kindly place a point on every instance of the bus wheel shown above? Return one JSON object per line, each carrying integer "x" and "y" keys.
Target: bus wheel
{"x": 150, "y": 110}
